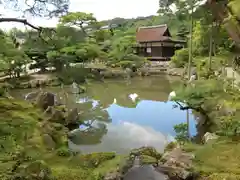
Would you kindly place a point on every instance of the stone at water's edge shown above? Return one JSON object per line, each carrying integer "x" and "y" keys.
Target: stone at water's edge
{"x": 176, "y": 164}
{"x": 42, "y": 99}
{"x": 45, "y": 99}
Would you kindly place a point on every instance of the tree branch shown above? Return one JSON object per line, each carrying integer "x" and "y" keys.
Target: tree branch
{"x": 23, "y": 21}
{"x": 197, "y": 109}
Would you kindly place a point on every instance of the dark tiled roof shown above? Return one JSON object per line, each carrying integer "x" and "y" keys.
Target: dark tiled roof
{"x": 153, "y": 33}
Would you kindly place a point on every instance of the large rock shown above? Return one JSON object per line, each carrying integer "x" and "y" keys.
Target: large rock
{"x": 72, "y": 116}
{"x": 45, "y": 99}
{"x": 48, "y": 141}
{"x": 72, "y": 119}
{"x": 209, "y": 137}
{"x": 57, "y": 116}
{"x": 176, "y": 164}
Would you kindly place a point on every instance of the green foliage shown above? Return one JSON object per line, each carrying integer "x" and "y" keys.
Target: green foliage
{"x": 79, "y": 19}
{"x": 203, "y": 91}
{"x": 181, "y": 132}
{"x": 73, "y": 74}
{"x": 11, "y": 58}
{"x": 217, "y": 63}
{"x": 180, "y": 58}
{"x": 205, "y": 97}
{"x": 182, "y": 32}
{"x": 56, "y": 59}
{"x": 90, "y": 52}
{"x": 125, "y": 64}
{"x": 101, "y": 35}
{"x": 235, "y": 7}
{"x": 200, "y": 39}
{"x": 121, "y": 47}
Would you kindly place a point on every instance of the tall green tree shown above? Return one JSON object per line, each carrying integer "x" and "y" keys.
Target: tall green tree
{"x": 79, "y": 19}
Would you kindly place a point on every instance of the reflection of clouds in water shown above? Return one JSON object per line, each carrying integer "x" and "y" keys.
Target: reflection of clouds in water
{"x": 83, "y": 100}
{"x": 86, "y": 99}
{"x": 125, "y": 136}
{"x": 95, "y": 103}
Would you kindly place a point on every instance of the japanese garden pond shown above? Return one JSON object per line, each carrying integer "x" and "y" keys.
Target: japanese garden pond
{"x": 118, "y": 123}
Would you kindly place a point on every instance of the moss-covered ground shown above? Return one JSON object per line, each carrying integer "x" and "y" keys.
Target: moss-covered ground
{"x": 21, "y": 141}
{"x": 217, "y": 160}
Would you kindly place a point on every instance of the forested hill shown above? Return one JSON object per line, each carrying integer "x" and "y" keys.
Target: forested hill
{"x": 132, "y": 24}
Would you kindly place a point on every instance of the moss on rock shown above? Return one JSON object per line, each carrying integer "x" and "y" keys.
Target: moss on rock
{"x": 93, "y": 160}
{"x": 147, "y": 151}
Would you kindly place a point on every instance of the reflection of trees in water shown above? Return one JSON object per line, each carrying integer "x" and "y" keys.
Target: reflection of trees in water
{"x": 96, "y": 113}
{"x": 149, "y": 88}
{"x": 90, "y": 134}
{"x": 93, "y": 126}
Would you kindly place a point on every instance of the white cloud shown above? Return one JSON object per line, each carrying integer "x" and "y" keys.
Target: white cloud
{"x": 126, "y": 136}
{"x": 102, "y": 10}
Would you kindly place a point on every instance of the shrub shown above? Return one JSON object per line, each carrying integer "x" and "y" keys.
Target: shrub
{"x": 125, "y": 64}
{"x": 181, "y": 57}
{"x": 229, "y": 126}
{"x": 181, "y": 132}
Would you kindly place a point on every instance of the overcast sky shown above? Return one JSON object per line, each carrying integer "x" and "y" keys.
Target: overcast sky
{"x": 102, "y": 9}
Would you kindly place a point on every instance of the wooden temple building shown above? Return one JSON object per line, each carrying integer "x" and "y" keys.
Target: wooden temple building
{"x": 156, "y": 43}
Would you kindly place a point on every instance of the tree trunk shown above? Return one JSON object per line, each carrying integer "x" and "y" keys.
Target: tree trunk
{"x": 211, "y": 47}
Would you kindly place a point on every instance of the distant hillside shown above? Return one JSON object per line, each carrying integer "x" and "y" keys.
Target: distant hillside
{"x": 133, "y": 23}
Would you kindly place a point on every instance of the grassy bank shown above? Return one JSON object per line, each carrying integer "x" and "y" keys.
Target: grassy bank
{"x": 216, "y": 160}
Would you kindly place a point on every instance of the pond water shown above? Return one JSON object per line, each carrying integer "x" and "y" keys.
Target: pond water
{"x": 118, "y": 123}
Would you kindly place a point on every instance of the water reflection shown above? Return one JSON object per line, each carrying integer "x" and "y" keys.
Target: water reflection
{"x": 113, "y": 122}
{"x": 149, "y": 123}
{"x": 123, "y": 136}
